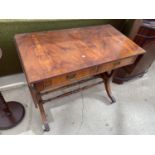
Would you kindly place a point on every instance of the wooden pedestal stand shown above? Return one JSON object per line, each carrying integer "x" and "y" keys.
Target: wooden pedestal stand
{"x": 11, "y": 113}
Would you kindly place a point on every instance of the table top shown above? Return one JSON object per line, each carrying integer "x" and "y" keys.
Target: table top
{"x": 52, "y": 53}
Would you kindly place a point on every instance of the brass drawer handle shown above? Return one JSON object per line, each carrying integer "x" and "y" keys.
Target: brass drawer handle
{"x": 70, "y": 76}
{"x": 117, "y": 63}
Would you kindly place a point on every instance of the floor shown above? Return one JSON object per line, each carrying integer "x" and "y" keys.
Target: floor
{"x": 90, "y": 111}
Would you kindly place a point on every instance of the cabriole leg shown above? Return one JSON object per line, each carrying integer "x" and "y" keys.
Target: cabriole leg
{"x": 107, "y": 77}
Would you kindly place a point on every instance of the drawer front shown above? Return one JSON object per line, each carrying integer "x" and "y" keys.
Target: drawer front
{"x": 66, "y": 79}
{"x": 81, "y": 74}
{"x": 116, "y": 64}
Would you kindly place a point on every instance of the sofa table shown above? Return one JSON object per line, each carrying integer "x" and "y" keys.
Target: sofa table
{"x": 63, "y": 58}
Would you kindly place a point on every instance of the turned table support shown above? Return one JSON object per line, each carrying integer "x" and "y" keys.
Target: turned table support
{"x": 38, "y": 101}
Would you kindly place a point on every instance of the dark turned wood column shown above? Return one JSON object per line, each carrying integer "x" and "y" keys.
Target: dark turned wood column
{"x": 11, "y": 113}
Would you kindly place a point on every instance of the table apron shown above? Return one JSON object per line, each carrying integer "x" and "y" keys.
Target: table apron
{"x": 72, "y": 77}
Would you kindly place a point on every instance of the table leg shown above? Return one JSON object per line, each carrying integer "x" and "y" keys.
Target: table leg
{"x": 107, "y": 77}
{"x": 34, "y": 95}
{"x": 43, "y": 116}
{"x": 38, "y": 101}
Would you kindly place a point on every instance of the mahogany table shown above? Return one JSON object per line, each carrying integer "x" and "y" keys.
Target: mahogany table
{"x": 61, "y": 58}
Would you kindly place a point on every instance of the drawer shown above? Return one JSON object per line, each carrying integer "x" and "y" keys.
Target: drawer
{"x": 66, "y": 79}
{"x": 69, "y": 78}
{"x": 116, "y": 64}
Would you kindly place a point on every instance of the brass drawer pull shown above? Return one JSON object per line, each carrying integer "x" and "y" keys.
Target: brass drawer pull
{"x": 70, "y": 76}
{"x": 117, "y": 63}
